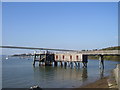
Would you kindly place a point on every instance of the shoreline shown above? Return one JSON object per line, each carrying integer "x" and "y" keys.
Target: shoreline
{"x": 109, "y": 81}
{"x": 101, "y": 83}
{"x": 105, "y": 82}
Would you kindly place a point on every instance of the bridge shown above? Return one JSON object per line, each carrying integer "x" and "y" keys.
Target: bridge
{"x": 67, "y": 57}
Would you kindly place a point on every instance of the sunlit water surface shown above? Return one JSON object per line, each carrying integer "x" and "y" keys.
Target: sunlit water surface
{"x": 19, "y": 73}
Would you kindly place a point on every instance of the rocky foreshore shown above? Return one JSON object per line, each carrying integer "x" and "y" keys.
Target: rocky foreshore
{"x": 111, "y": 81}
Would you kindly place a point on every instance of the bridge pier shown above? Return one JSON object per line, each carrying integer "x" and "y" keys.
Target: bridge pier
{"x": 71, "y": 64}
{"x": 68, "y": 63}
{"x": 55, "y": 63}
{"x": 34, "y": 59}
{"x": 76, "y": 64}
{"x": 61, "y": 63}
{"x": 79, "y": 64}
{"x": 84, "y": 60}
{"x": 65, "y": 64}
{"x": 39, "y": 63}
{"x": 40, "y": 60}
{"x": 101, "y": 62}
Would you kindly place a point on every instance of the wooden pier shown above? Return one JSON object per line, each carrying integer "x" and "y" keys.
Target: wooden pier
{"x": 66, "y": 59}
{"x": 71, "y": 59}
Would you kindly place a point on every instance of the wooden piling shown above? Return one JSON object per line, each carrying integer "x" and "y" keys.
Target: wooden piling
{"x": 61, "y": 63}
{"x": 84, "y": 61}
{"x": 65, "y": 64}
{"x": 55, "y": 63}
{"x": 78, "y": 64}
{"x": 34, "y": 59}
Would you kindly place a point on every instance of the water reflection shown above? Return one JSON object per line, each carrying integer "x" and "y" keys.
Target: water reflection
{"x": 59, "y": 75}
{"x": 26, "y": 76}
{"x": 84, "y": 74}
{"x": 43, "y": 73}
{"x": 101, "y": 73}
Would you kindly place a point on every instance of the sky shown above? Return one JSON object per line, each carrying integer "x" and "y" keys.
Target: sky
{"x": 65, "y": 25}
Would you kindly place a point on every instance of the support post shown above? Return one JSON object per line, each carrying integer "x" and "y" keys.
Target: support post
{"x": 40, "y": 60}
{"x": 61, "y": 63}
{"x": 84, "y": 60}
{"x": 55, "y": 63}
{"x": 101, "y": 62}
{"x": 34, "y": 59}
{"x": 73, "y": 64}
{"x": 65, "y": 64}
{"x": 78, "y": 64}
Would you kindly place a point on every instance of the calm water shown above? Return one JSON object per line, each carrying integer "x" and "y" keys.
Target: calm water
{"x": 19, "y": 73}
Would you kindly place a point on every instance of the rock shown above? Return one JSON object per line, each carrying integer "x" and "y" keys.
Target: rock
{"x": 35, "y": 88}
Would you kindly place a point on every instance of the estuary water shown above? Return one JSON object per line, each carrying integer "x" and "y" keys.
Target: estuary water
{"x": 19, "y": 73}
